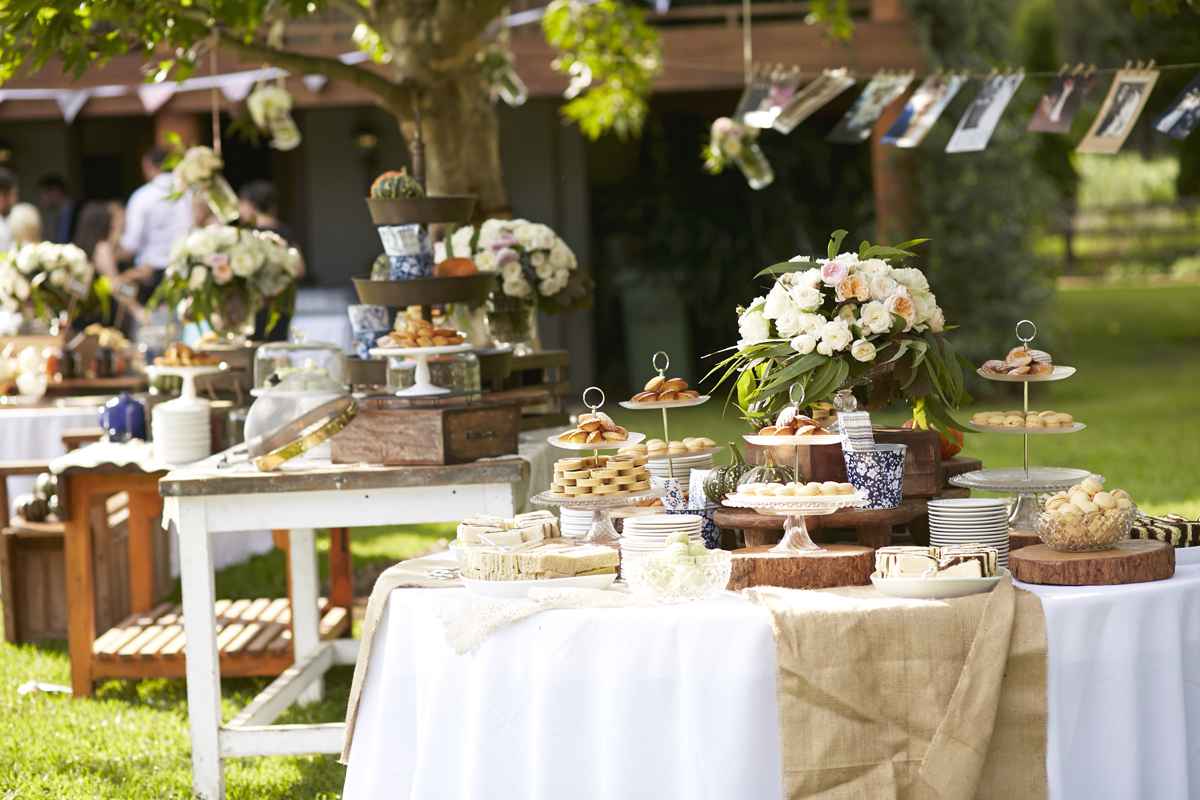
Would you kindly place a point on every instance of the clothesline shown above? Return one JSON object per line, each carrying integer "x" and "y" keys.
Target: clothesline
{"x": 859, "y": 75}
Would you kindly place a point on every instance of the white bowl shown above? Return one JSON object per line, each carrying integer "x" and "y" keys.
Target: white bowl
{"x": 935, "y": 588}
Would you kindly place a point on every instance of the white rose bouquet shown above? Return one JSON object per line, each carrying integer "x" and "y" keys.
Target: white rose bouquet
{"x": 46, "y": 280}
{"x": 199, "y": 170}
{"x": 843, "y": 321}
{"x": 223, "y": 275}
{"x": 535, "y": 265}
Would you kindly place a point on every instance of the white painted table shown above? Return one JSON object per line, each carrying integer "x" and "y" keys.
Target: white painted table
{"x": 202, "y": 501}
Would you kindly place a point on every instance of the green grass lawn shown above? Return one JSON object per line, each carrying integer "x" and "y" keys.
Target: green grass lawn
{"x": 1138, "y": 354}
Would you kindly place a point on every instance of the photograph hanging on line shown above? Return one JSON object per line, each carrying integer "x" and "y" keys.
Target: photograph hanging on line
{"x": 923, "y": 109}
{"x": 828, "y": 85}
{"x": 1122, "y": 106}
{"x": 981, "y": 117}
{"x": 771, "y": 87}
{"x": 1061, "y": 102}
{"x": 855, "y": 126}
{"x": 1184, "y": 114}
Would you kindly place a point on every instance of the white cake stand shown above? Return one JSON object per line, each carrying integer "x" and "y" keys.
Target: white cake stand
{"x": 795, "y": 531}
{"x": 664, "y": 405}
{"x": 187, "y": 374}
{"x": 422, "y": 381}
{"x": 602, "y": 530}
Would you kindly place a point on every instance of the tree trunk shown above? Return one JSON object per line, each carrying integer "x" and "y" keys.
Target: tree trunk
{"x": 461, "y": 137}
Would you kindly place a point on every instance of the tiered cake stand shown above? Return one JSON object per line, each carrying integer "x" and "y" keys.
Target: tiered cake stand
{"x": 601, "y": 530}
{"x": 666, "y": 405}
{"x": 1028, "y": 481}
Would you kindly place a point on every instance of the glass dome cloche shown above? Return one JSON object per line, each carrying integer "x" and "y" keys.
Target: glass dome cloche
{"x": 307, "y": 366}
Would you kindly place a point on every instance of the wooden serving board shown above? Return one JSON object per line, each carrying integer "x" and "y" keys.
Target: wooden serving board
{"x": 1133, "y": 561}
{"x": 833, "y": 565}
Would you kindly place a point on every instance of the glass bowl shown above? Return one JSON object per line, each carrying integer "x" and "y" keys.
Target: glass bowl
{"x": 1099, "y": 530}
{"x": 668, "y": 580}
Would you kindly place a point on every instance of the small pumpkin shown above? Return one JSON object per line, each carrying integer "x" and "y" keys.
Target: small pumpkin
{"x": 769, "y": 472}
{"x": 724, "y": 480}
{"x": 32, "y": 509}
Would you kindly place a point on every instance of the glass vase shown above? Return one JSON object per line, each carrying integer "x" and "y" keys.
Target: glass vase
{"x": 754, "y": 165}
{"x": 221, "y": 199}
{"x": 233, "y": 319}
{"x": 513, "y": 321}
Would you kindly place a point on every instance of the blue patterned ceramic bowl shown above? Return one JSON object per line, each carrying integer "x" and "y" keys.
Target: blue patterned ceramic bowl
{"x": 878, "y": 473}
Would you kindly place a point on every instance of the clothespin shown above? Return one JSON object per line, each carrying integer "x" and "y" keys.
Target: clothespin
{"x": 1150, "y": 65}
{"x": 1063, "y": 69}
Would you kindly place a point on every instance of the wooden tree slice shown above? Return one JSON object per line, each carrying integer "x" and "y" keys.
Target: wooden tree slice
{"x": 833, "y": 565}
{"x": 1134, "y": 561}
{"x": 1018, "y": 539}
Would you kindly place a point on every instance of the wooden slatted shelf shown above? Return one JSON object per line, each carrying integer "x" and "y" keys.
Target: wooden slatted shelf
{"x": 254, "y": 637}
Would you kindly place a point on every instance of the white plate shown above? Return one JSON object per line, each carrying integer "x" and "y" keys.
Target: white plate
{"x": 669, "y": 520}
{"x": 437, "y": 350}
{"x": 793, "y": 441}
{"x": 631, "y": 438}
{"x": 967, "y": 503}
{"x": 698, "y": 401}
{"x": 1058, "y": 374}
{"x": 688, "y": 457}
{"x": 1072, "y": 428}
{"x": 517, "y": 589}
{"x": 935, "y": 588}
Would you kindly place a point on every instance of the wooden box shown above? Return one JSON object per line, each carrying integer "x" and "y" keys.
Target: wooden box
{"x": 923, "y": 475}
{"x": 394, "y": 432}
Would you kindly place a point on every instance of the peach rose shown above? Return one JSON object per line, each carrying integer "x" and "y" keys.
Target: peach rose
{"x": 854, "y": 287}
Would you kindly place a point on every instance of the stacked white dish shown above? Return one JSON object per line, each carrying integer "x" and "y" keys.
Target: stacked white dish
{"x": 648, "y": 533}
{"x": 574, "y": 523}
{"x": 970, "y": 520}
{"x": 683, "y": 466}
{"x": 182, "y": 431}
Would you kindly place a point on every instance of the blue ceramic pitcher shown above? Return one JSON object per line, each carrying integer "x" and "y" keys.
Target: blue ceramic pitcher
{"x": 123, "y": 418}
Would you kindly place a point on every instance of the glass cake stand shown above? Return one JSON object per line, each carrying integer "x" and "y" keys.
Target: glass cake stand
{"x": 795, "y": 509}
{"x": 602, "y": 530}
{"x": 1026, "y": 484}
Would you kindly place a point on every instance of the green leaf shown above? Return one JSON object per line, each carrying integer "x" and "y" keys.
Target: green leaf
{"x": 794, "y": 370}
{"x": 885, "y": 252}
{"x": 785, "y": 267}
{"x": 910, "y": 244}
{"x": 835, "y": 242}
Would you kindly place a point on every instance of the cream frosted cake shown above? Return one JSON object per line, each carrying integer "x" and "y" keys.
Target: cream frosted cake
{"x": 949, "y": 561}
{"x": 556, "y": 558}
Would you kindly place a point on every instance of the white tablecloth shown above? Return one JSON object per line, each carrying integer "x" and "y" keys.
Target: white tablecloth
{"x": 28, "y": 434}
{"x": 679, "y": 701}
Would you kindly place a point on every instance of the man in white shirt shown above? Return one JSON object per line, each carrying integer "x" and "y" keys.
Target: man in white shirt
{"x": 154, "y": 222}
{"x": 8, "y": 199}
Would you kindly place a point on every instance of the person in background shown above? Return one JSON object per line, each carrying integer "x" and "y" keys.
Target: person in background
{"x": 8, "y": 199}
{"x": 25, "y": 224}
{"x": 58, "y": 208}
{"x": 98, "y": 234}
{"x": 259, "y": 209}
{"x": 154, "y": 221}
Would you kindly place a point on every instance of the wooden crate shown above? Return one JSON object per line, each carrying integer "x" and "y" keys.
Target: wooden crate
{"x": 395, "y": 432}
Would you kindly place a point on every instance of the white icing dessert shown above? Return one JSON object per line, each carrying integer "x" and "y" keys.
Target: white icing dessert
{"x": 552, "y": 559}
{"x": 534, "y": 526}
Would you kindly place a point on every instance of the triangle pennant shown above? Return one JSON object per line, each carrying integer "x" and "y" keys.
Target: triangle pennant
{"x": 315, "y": 82}
{"x": 236, "y": 87}
{"x": 155, "y": 95}
{"x": 71, "y": 102}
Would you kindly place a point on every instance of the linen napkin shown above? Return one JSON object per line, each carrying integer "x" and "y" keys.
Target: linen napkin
{"x": 888, "y": 698}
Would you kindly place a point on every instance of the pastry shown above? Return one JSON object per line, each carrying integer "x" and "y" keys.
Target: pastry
{"x": 180, "y": 355}
{"x": 534, "y": 526}
{"x": 794, "y": 489}
{"x": 1036, "y": 420}
{"x": 594, "y": 428}
{"x": 660, "y": 389}
{"x": 1021, "y": 360}
{"x": 600, "y": 476}
{"x": 553, "y": 559}
{"x": 1085, "y": 517}
{"x": 948, "y": 561}
{"x": 791, "y": 422}
{"x": 412, "y": 330}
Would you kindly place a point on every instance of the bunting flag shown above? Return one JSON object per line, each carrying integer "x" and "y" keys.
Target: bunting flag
{"x": 975, "y": 128}
{"x": 235, "y": 88}
{"x": 1183, "y": 115}
{"x": 155, "y": 95}
{"x": 71, "y": 102}
{"x": 923, "y": 109}
{"x": 1123, "y": 105}
{"x": 315, "y": 82}
{"x": 855, "y": 126}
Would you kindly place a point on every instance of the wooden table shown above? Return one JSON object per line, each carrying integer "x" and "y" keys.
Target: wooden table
{"x": 203, "y": 500}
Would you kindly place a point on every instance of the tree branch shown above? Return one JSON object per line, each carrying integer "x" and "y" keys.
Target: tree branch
{"x": 396, "y": 97}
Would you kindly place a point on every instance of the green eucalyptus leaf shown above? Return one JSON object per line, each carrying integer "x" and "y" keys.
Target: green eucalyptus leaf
{"x": 835, "y": 242}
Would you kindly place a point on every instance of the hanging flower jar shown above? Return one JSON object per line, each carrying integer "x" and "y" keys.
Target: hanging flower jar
{"x": 270, "y": 107}
{"x": 199, "y": 170}
{"x": 734, "y": 142}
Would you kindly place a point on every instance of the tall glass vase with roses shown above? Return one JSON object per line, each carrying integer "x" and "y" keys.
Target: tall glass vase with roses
{"x": 223, "y": 276}
{"x": 839, "y": 322}
{"x": 538, "y": 272}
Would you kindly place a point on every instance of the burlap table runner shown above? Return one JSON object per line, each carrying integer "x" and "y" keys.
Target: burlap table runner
{"x": 885, "y": 698}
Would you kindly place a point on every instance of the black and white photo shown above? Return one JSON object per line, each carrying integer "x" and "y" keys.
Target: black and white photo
{"x": 883, "y": 89}
{"x": 1184, "y": 114}
{"x": 981, "y": 117}
{"x": 923, "y": 109}
{"x": 1122, "y": 106}
{"x": 1061, "y": 102}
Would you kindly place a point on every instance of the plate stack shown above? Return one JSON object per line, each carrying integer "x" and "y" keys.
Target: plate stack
{"x": 182, "y": 431}
{"x": 970, "y": 520}
{"x": 573, "y": 523}
{"x": 645, "y": 535}
{"x": 659, "y": 471}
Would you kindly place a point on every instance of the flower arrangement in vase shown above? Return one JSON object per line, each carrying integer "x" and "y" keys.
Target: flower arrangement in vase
{"x": 199, "y": 170}
{"x": 224, "y": 275}
{"x": 834, "y": 323}
{"x": 538, "y": 271}
{"x": 732, "y": 142}
{"x": 270, "y": 107}
{"x": 46, "y": 280}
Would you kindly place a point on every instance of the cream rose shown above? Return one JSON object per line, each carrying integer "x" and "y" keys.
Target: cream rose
{"x": 753, "y": 326}
{"x": 862, "y": 350}
{"x": 197, "y": 278}
{"x": 836, "y": 334}
{"x": 804, "y": 344}
{"x": 854, "y": 287}
{"x": 875, "y": 317}
{"x": 881, "y": 286}
{"x": 807, "y": 298}
{"x": 901, "y": 304}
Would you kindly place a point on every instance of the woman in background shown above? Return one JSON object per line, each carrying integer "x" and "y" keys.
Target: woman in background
{"x": 25, "y": 224}
{"x": 98, "y": 234}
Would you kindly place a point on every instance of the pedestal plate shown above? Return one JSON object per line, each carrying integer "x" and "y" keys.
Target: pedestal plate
{"x": 665, "y": 405}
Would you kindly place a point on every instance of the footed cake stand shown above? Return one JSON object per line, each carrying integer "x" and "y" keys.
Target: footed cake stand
{"x": 796, "y": 539}
{"x": 665, "y": 405}
{"x": 188, "y": 375}
{"x": 423, "y": 385}
{"x": 602, "y": 530}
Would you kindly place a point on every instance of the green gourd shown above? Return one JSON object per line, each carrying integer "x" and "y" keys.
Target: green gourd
{"x": 769, "y": 472}
{"x": 724, "y": 480}
{"x": 394, "y": 184}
